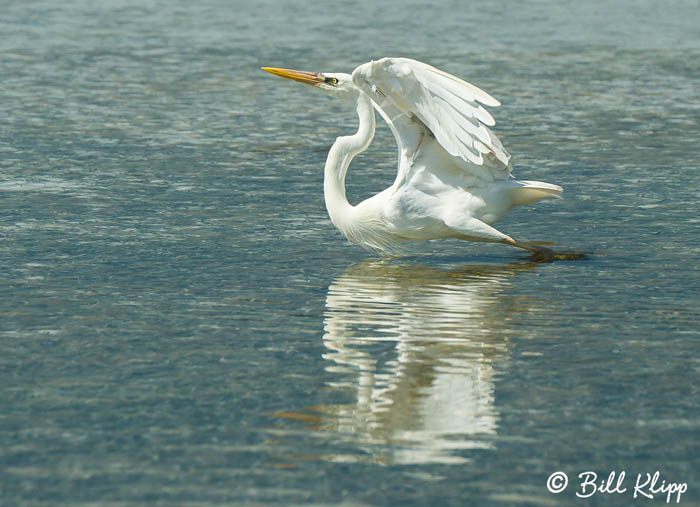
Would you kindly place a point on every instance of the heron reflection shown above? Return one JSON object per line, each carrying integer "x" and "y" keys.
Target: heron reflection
{"x": 415, "y": 347}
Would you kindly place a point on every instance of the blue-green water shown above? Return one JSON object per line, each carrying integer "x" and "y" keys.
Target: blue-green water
{"x": 180, "y": 323}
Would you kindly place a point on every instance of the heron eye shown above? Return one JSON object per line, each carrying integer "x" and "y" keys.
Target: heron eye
{"x": 332, "y": 80}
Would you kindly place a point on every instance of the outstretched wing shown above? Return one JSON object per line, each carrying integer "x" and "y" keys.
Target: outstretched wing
{"x": 409, "y": 92}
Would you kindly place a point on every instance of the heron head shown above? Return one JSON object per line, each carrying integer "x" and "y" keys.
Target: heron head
{"x": 334, "y": 84}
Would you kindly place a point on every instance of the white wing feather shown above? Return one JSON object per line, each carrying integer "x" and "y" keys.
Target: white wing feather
{"x": 448, "y": 106}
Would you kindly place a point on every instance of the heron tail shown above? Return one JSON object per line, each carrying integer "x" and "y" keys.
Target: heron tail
{"x": 529, "y": 192}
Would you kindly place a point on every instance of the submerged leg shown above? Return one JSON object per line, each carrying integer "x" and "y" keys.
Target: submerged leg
{"x": 541, "y": 253}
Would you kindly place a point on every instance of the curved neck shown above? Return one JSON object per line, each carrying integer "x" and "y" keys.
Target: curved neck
{"x": 339, "y": 157}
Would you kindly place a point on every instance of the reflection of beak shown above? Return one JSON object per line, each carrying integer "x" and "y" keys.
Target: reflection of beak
{"x": 311, "y": 78}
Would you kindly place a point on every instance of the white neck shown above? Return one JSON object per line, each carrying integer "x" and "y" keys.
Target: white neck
{"x": 339, "y": 157}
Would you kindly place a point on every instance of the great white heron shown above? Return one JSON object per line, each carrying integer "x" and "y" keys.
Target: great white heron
{"x": 454, "y": 176}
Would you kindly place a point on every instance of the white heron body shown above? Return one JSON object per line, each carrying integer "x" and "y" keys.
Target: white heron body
{"x": 454, "y": 176}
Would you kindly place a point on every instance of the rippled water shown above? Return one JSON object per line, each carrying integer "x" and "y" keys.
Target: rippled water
{"x": 181, "y": 324}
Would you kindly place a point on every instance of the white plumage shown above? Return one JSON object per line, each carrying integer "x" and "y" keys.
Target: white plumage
{"x": 454, "y": 175}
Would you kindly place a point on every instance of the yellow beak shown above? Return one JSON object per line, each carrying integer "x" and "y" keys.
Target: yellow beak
{"x": 310, "y": 78}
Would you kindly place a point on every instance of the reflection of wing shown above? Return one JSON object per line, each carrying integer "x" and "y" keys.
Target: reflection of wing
{"x": 412, "y": 96}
